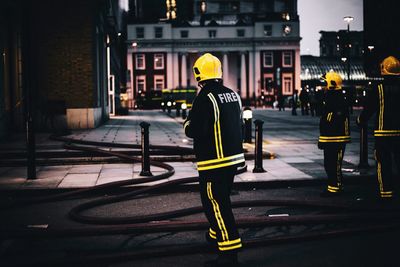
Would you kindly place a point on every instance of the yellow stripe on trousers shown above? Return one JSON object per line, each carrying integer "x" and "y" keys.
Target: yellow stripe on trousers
{"x": 381, "y": 106}
{"x": 217, "y": 213}
{"x": 217, "y": 126}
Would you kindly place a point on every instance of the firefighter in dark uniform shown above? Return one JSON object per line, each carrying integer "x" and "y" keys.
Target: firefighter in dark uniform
{"x": 215, "y": 124}
{"x": 383, "y": 100}
{"x": 334, "y": 132}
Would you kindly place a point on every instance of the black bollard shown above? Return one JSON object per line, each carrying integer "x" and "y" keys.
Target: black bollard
{"x": 247, "y": 131}
{"x": 145, "y": 150}
{"x": 258, "y": 151}
{"x": 169, "y": 107}
{"x": 184, "y": 111}
{"x": 363, "y": 147}
{"x": 178, "y": 111}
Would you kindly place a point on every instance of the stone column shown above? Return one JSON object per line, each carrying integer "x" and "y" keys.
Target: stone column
{"x": 297, "y": 65}
{"x": 183, "y": 71}
{"x": 225, "y": 70}
{"x": 175, "y": 69}
{"x": 251, "y": 76}
{"x": 257, "y": 74}
{"x": 170, "y": 70}
{"x": 243, "y": 78}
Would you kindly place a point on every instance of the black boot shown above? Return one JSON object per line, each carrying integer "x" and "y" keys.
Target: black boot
{"x": 212, "y": 242}
{"x": 224, "y": 259}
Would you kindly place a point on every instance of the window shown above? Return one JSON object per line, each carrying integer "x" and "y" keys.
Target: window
{"x": 287, "y": 84}
{"x": 139, "y": 32}
{"x": 140, "y": 62}
{"x": 184, "y": 34}
{"x": 140, "y": 84}
{"x": 240, "y": 33}
{"x": 212, "y": 33}
{"x": 158, "y": 82}
{"x": 158, "y": 32}
{"x": 268, "y": 59}
{"x": 268, "y": 82}
{"x": 267, "y": 30}
{"x": 287, "y": 59}
{"x": 158, "y": 61}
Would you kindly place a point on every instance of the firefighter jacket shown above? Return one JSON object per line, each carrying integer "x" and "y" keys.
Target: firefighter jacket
{"x": 384, "y": 100}
{"x": 334, "y": 121}
{"x": 215, "y": 125}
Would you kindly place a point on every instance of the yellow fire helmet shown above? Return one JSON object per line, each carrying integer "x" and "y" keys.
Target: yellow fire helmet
{"x": 390, "y": 66}
{"x": 333, "y": 80}
{"x": 207, "y": 67}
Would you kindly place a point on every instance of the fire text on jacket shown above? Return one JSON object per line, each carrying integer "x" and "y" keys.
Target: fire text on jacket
{"x": 228, "y": 97}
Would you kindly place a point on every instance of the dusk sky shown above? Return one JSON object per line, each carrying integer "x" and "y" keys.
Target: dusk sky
{"x": 326, "y": 15}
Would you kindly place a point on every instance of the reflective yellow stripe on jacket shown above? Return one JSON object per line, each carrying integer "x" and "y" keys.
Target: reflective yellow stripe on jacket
{"x": 334, "y": 139}
{"x": 217, "y": 128}
{"x": 221, "y": 162}
{"x": 387, "y": 133}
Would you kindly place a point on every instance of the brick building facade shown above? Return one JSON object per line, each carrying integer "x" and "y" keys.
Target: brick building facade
{"x": 68, "y": 55}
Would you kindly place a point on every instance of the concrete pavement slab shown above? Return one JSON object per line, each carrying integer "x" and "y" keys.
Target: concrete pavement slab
{"x": 292, "y": 140}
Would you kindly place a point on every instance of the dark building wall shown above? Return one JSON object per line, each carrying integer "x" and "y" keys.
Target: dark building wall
{"x": 341, "y": 43}
{"x": 381, "y": 31}
{"x": 63, "y": 51}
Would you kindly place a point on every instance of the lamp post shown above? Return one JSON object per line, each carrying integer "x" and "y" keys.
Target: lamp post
{"x": 348, "y": 19}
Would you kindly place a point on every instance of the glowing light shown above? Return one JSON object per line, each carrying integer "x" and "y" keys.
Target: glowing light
{"x": 134, "y": 44}
{"x": 247, "y": 114}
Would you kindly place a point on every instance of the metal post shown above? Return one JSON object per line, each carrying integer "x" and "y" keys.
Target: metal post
{"x": 178, "y": 111}
{"x": 363, "y": 147}
{"x": 184, "y": 113}
{"x": 258, "y": 151}
{"x": 145, "y": 149}
{"x": 247, "y": 116}
{"x": 29, "y": 96}
{"x": 247, "y": 130}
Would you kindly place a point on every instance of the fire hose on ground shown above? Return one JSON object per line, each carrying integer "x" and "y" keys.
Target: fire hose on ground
{"x": 158, "y": 222}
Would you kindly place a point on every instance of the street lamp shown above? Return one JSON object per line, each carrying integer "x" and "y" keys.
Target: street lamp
{"x": 348, "y": 19}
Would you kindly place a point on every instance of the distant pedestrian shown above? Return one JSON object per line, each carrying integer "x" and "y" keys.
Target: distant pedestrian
{"x": 281, "y": 102}
{"x": 334, "y": 132}
{"x": 304, "y": 101}
{"x": 215, "y": 125}
{"x": 313, "y": 102}
{"x": 294, "y": 101}
{"x": 384, "y": 101}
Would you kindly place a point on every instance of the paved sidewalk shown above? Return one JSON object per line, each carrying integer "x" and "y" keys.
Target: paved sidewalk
{"x": 292, "y": 139}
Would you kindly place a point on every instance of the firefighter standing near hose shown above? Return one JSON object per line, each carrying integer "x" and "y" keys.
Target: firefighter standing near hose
{"x": 334, "y": 132}
{"x": 383, "y": 100}
{"x": 215, "y": 124}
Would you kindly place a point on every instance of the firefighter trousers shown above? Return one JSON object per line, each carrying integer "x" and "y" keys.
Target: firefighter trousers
{"x": 333, "y": 159}
{"x": 215, "y": 189}
{"x": 387, "y": 155}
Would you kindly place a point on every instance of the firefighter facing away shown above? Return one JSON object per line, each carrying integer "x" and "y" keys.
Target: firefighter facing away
{"x": 334, "y": 132}
{"x": 215, "y": 124}
{"x": 383, "y": 100}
